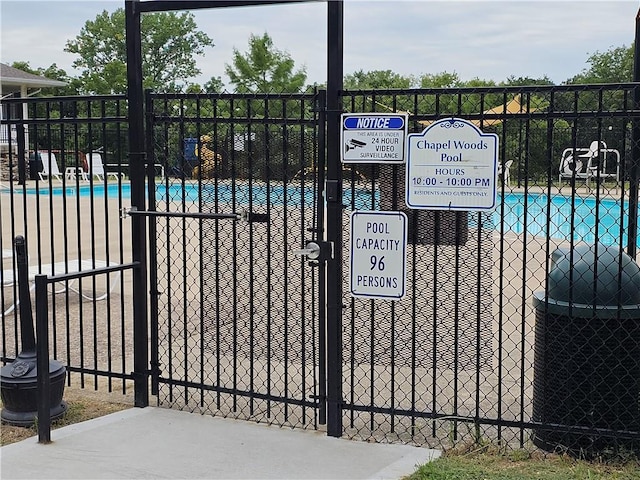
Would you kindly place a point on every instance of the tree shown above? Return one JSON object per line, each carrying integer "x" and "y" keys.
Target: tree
{"x": 524, "y": 81}
{"x": 376, "y": 79}
{"x": 169, "y": 43}
{"x": 54, "y": 73}
{"x": 264, "y": 69}
{"x": 613, "y": 66}
{"x": 439, "y": 80}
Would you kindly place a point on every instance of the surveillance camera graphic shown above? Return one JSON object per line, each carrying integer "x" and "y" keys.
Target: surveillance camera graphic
{"x": 353, "y": 144}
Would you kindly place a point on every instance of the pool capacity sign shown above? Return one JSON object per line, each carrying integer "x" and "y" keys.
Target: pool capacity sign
{"x": 373, "y": 138}
{"x": 452, "y": 165}
{"x": 378, "y": 254}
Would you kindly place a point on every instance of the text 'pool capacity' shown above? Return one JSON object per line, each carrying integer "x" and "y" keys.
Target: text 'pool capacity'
{"x": 378, "y": 244}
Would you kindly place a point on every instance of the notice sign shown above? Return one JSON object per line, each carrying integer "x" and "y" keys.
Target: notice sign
{"x": 452, "y": 165}
{"x": 373, "y": 138}
{"x": 378, "y": 254}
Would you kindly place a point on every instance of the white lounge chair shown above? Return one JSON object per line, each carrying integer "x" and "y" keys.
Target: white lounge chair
{"x": 49, "y": 166}
{"x": 9, "y": 278}
{"x": 96, "y": 167}
{"x": 595, "y": 162}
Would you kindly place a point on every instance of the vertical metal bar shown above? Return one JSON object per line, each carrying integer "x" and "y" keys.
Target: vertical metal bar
{"x": 333, "y": 190}
{"x": 136, "y": 174}
{"x": 153, "y": 249}
{"x": 42, "y": 361}
{"x": 285, "y": 309}
{"x": 201, "y": 249}
{"x": 434, "y": 318}
{"x": 456, "y": 326}
{"x": 321, "y": 102}
{"x": 251, "y": 263}
{"x": 22, "y": 167}
{"x": 634, "y": 171}
{"x": 268, "y": 168}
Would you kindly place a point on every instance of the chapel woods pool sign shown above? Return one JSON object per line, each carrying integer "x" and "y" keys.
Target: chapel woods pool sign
{"x": 452, "y": 165}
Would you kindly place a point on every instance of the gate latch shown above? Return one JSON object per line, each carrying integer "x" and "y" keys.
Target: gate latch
{"x": 314, "y": 251}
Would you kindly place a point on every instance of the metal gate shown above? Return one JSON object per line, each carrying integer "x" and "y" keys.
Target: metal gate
{"x": 236, "y": 303}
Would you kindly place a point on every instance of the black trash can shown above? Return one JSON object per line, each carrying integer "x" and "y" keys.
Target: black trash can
{"x": 587, "y": 351}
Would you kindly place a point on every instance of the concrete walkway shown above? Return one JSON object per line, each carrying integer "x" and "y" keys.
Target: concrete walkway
{"x": 160, "y": 443}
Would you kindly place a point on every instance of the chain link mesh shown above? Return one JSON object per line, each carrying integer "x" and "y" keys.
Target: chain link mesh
{"x": 454, "y": 360}
{"x": 238, "y": 310}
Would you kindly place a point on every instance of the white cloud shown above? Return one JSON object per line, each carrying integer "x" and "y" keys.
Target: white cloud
{"x": 484, "y": 39}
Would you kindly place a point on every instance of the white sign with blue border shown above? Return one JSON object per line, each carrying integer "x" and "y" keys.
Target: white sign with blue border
{"x": 378, "y": 254}
{"x": 373, "y": 138}
{"x": 452, "y": 165}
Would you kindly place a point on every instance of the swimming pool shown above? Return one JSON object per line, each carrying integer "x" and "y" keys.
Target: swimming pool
{"x": 565, "y": 218}
{"x": 518, "y": 213}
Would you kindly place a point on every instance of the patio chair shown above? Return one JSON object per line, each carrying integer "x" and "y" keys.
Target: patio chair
{"x": 589, "y": 163}
{"x": 10, "y": 278}
{"x": 95, "y": 167}
{"x": 49, "y": 166}
{"x": 572, "y": 165}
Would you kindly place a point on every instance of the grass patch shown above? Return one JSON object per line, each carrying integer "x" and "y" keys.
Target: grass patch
{"x": 489, "y": 463}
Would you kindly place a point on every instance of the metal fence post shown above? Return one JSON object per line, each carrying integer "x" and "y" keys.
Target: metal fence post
{"x": 42, "y": 360}
{"x": 333, "y": 195}
{"x": 138, "y": 227}
{"x": 635, "y": 151}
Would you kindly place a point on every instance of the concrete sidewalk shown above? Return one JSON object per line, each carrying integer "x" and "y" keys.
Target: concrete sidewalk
{"x": 160, "y": 443}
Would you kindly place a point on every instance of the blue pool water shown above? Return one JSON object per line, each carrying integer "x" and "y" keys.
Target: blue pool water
{"x": 518, "y": 213}
{"x": 562, "y": 216}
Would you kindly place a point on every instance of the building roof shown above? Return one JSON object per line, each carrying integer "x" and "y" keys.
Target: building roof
{"x": 12, "y": 77}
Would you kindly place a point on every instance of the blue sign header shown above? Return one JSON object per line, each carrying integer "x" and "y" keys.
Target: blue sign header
{"x": 373, "y": 122}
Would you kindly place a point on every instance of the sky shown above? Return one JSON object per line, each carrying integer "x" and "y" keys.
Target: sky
{"x": 489, "y": 40}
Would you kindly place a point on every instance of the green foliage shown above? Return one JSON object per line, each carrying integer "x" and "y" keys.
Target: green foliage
{"x": 439, "y": 80}
{"x": 525, "y": 81}
{"x": 169, "y": 43}
{"x": 214, "y": 85}
{"x": 613, "y": 66}
{"x": 264, "y": 69}
{"x": 54, "y": 73}
{"x": 376, "y": 79}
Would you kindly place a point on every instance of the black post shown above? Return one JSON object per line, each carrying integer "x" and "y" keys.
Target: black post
{"x": 333, "y": 195}
{"x": 27, "y": 335}
{"x": 137, "y": 176}
{"x": 43, "y": 380}
{"x": 635, "y": 151}
{"x": 22, "y": 158}
{"x": 32, "y": 385}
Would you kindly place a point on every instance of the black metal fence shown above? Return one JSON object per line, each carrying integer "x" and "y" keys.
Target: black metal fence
{"x": 466, "y": 355}
{"x": 236, "y": 314}
{"x": 495, "y": 321}
{"x": 63, "y": 188}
